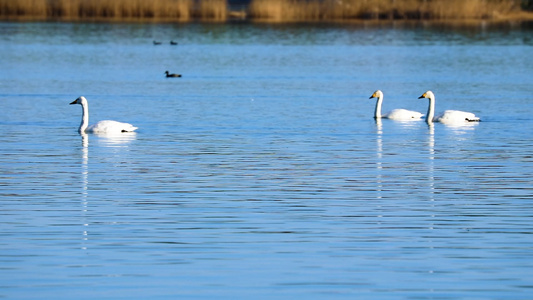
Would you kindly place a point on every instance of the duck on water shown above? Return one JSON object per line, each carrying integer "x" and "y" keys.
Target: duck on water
{"x": 172, "y": 74}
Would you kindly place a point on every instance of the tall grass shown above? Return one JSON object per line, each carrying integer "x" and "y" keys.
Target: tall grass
{"x": 177, "y": 10}
{"x": 216, "y": 10}
{"x": 267, "y": 10}
{"x": 313, "y": 10}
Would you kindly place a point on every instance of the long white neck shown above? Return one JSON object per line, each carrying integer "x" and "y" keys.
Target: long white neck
{"x": 431, "y": 109}
{"x": 377, "y": 111}
{"x": 84, "y": 117}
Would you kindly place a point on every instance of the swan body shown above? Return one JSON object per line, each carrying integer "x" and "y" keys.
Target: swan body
{"x": 396, "y": 114}
{"x": 106, "y": 126}
{"x": 448, "y": 116}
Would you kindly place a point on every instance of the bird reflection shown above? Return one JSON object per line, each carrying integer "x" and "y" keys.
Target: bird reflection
{"x": 115, "y": 141}
{"x": 85, "y": 181}
{"x": 431, "y": 156}
{"x": 379, "y": 154}
{"x": 431, "y": 169}
{"x": 112, "y": 140}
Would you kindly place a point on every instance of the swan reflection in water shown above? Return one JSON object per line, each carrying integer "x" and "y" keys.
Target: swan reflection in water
{"x": 460, "y": 127}
{"x": 379, "y": 154}
{"x": 85, "y": 182}
{"x": 105, "y": 140}
{"x": 431, "y": 183}
{"x": 431, "y": 160}
{"x": 115, "y": 139}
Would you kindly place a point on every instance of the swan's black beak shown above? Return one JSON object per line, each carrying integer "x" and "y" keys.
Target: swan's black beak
{"x": 422, "y": 96}
{"x": 73, "y": 102}
{"x": 371, "y": 97}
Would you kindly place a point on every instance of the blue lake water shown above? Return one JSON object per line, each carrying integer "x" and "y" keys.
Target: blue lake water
{"x": 261, "y": 173}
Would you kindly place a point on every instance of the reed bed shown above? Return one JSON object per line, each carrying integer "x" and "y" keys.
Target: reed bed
{"x": 315, "y": 10}
{"x": 216, "y": 10}
{"x": 155, "y": 10}
{"x": 262, "y": 10}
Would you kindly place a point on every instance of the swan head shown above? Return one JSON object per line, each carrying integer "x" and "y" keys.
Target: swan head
{"x": 80, "y": 100}
{"x": 377, "y": 94}
{"x": 428, "y": 95}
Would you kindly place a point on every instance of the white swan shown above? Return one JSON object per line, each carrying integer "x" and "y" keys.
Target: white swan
{"x": 396, "y": 114}
{"x": 448, "y": 116}
{"x": 106, "y": 126}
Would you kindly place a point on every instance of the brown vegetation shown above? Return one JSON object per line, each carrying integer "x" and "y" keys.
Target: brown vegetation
{"x": 156, "y": 10}
{"x": 263, "y": 10}
{"x": 313, "y": 10}
{"x": 216, "y": 10}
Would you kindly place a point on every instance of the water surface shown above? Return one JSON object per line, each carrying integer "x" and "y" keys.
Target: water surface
{"x": 261, "y": 172}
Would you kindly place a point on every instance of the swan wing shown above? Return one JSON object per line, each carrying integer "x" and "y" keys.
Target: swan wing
{"x": 108, "y": 126}
{"x": 403, "y": 114}
{"x": 456, "y": 116}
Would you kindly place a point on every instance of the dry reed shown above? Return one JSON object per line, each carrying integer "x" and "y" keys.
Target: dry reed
{"x": 156, "y": 10}
{"x": 216, "y": 10}
{"x": 314, "y": 10}
{"x": 267, "y": 10}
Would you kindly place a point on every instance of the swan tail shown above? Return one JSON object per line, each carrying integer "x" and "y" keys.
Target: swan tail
{"x": 130, "y": 129}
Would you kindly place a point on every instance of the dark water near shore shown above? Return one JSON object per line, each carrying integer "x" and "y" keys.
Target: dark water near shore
{"x": 261, "y": 172}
